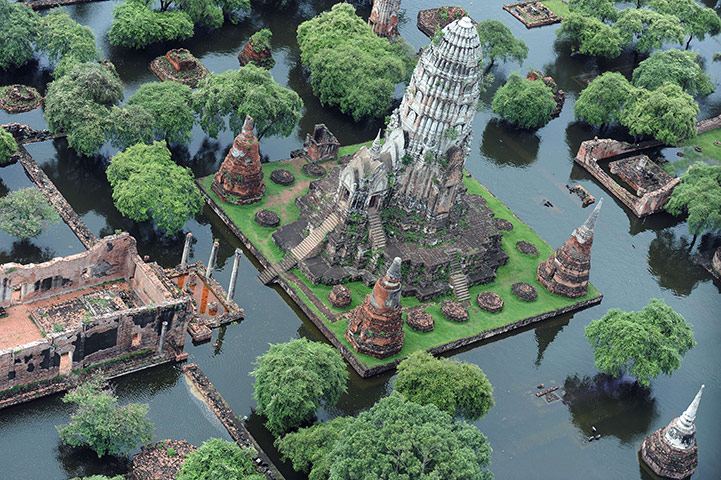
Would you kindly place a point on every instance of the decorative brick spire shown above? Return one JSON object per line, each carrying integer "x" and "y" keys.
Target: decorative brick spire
{"x": 240, "y": 178}
{"x": 376, "y": 326}
{"x": 384, "y": 18}
{"x": 671, "y": 452}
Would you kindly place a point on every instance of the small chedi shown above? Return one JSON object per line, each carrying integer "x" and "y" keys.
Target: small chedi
{"x": 179, "y": 65}
{"x": 376, "y": 326}
{"x": 567, "y": 270}
{"x": 384, "y": 18}
{"x": 671, "y": 452}
{"x": 257, "y": 50}
{"x": 240, "y": 178}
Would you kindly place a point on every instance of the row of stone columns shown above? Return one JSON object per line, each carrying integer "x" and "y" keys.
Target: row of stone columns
{"x": 211, "y": 263}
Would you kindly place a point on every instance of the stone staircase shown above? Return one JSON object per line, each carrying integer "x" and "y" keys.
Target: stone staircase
{"x": 377, "y": 236}
{"x": 458, "y": 279}
{"x": 270, "y": 273}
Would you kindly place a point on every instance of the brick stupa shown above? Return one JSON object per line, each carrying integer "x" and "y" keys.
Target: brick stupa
{"x": 671, "y": 452}
{"x": 376, "y": 326}
{"x": 240, "y": 178}
{"x": 384, "y": 18}
{"x": 566, "y": 271}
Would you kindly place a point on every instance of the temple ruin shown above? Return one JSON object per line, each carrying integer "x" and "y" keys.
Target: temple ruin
{"x": 384, "y": 18}
{"x": 566, "y": 271}
{"x": 671, "y": 452}
{"x": 240, "y": 178}
{"x": 78, "y": 311}
{"x": 320, "y": 146}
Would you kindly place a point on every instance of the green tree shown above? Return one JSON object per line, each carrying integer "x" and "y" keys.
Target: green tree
{"x": 102, "y": 425}
{"x": 697, "y": 21}
{"x": 398, "y": 439}
{"x": 643, "y": 344}
{"x": 252, "y": 91}
{"x": 590, "y": 36}
{"x": 25, "y": 213}
{"x": 460, "y": 389}
{"x": 308, "y": 448}
{"x": 526, "y": 103}
{"x": 294, "y": 379}
{"x": 673, "y": 66}
{"x": 218, "y": 459}
{"x": 647, "y": 28}
{"x": 498, "y": 43}
{"x": 148, "y": 184}
{"x": 698, "y": 195}
{"x": 351, "y": 67}
{"x": 18, "y": 31}
{"x": 100, "y": 477}
{"x": 129, "y": 125}
{"x": 136, "y": 25}
{"x": 667, "y": 113}
{"x": 78, "y": 104}
{"x": 169, "y": 103}
{"x": 65, "y": 41}
{"x": 601, "y": 9}
{"x": 8, "y": 146}
{"x": 603, "y": 100}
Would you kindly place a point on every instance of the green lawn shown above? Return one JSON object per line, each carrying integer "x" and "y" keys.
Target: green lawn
{"x": 559, "y": 7}
{"x": 705, "y": 141}
{"x": 519, "y": 268}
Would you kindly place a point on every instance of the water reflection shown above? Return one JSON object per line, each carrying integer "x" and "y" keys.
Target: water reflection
{"x": 670, "y": 260}
{"x": 25, "y": 251}
{"x": 546, "y": 332}
{"x": 83, "y": 462}
{"x": 618, "y": 407}
{"x": 504, "y": 144}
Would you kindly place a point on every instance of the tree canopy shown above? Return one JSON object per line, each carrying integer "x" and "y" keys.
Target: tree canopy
{"x": 65, "y": 41}
{"x": 218, "y": 459}
{"x": 498, "y": 43}
{"x": 673, "y": 66}
{"x": 294, "y": 379}
{"x": 351, "y": 67}
{"x": 698, "y": 195}
{"x": 128, "y": 125}
{"x": 169, "y": 104}
{"x": 590, "y": 36}
{"x": 647, "y": 28}
{"x": 252, "y": 91}
{"x": 8, "y": 146}
{"x": 398, "y": 439}
{"x": 526, "y": 103}
{"x": 78, "y": 104}
{"x": 667, "y": 113}
{"x": 147, "y": 184}
{"x": 19, "y": 27}
{"x": 603, "y": 100}
{"x": 136, "y": 25}
{"x": 457, "y": 388}
{"x": 25, "y": 213}
{"x": 643, "y": 344}
{"x": 601, "y": 9}
{"x": 100, "y": 424}
{"x": 697, "y": 21}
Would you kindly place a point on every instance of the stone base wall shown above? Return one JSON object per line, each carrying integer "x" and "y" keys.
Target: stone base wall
{"x": 666, "y": 461}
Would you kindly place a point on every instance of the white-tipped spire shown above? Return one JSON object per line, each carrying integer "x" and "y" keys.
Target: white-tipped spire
{"x": 376, "y": 147}
{"x": 681, "y": 432}
{"x": 584, "y": 233}
{"x": 394, "y": 271}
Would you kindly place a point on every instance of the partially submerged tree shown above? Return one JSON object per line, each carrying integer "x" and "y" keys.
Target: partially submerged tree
{"x": 147, "y": 184}
{"x": 642, "y": 344}
{"x": 590, "y": 36}
{"x": 25, "y": 213}
{"x": 169, "y": 104}
{"x": 457, "y": 388}
{"x": 603, "y": 100}
{"x": 18, "y": 30}
{"x": 673, "y": 66}
{"x": 697, "y": 21}
{"x": 528, "y": 104}
{"x": 128, "y": 125}
{"x": 294, "y": 379}
{"x": 647, "y": 28}
{"x": 136, "y": 25}
{"x": 102, "y": 425}
{"x": 498, "y": 43}
{"x": 601, "y": 9}
{"x": 698, "y": 195}
{"x": 252, "y": 91}
{"x": 218, "y": 459}
{"x": 65, "y": 41}
{"x": 8, "y": 146}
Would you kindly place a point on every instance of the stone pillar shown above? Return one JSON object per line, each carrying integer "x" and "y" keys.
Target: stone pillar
{"x": 162, "y": 338}
{"x": 234, "y": 275}
{"x": 186, "y": 251}
{"x": 211, "y": 260}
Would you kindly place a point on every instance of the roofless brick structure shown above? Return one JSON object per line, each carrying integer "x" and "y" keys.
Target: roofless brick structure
{"x": 240, "y": 178}
{"x": 376, "y": 326}
{"x": 671, "y": 452}
{"x": 567, "y": 270}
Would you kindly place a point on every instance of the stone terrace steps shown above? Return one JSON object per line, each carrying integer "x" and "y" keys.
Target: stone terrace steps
{"x": 378, "y": 237}
{"x": 270, "y": 273}
{"x": 458, "y": 279}
{"x": 316, "y": 236}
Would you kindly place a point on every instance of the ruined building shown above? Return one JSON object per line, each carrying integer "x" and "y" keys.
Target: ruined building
{"x": 322, "y": 145}
{"x": 671, "y": 452}
{"x": 567, "y": 270}
{"x": 240, "y": 178}
{"x": 85, "y": 309}
{"x": 384, "y": 18}
{"x": 376, "y": 325}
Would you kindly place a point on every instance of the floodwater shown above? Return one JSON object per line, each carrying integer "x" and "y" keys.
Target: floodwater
{"x": 633, "y": 261}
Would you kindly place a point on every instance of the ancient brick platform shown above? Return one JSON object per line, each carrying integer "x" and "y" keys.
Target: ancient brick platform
{"x": 179, "y": 65}
{"x": 532, "y": 13}
{"x": 155, "y": 463}
{"x": 438, "y": 18}
{"x": 19, "y": 98}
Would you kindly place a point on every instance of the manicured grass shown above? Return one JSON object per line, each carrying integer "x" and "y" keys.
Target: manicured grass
{"x": 558, "y": 7}
{"x": 351, "y": 149}
{"x": 520, "y": 268}
{"x": 705, "y": 141}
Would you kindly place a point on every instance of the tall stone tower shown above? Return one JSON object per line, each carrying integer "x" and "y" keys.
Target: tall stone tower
{"x": 566, "y": 271}
{"x": 384, "y": 18}
{"x": 240, "y": 178}
{"x": 671, "y": 452}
